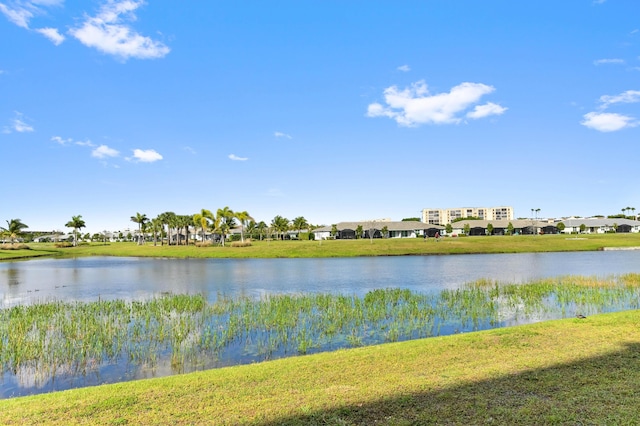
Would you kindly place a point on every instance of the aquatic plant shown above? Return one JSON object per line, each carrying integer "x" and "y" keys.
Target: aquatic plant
{"x": 187, "y": 332}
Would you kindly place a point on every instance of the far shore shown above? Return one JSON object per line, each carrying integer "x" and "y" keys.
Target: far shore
{"x": 341, "y": 248}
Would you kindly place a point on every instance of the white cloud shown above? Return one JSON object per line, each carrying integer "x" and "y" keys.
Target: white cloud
{"x": 22, "y": 127}
{"x": 608, "y": 61}
{"x": 18, "y": 125}
{"x": 18, "y": 14}
{"x": 608, "y": 122}
{"x": 69, "y": 141}
{"x": 236, "y": 158}
{"x": 103, "y": 151}
{"x": 146, "y": 155}
{"x": 404, "y": 68}
{"x": 60, "y": 140}
{"x": 481, "y": 111}
{"x": 107, "y": 32}
{"x": 415, "y": 105}
{"x": 52, "y": 34}
{"x": 282, "y": 135}
{"x": 628, "y": 97}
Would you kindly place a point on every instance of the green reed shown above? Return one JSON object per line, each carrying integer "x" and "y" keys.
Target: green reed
{"x": 185, "y": 330}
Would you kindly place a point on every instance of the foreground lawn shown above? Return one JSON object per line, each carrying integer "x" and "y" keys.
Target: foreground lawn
{"x": 364, "y": 247}
{"x": 573, "y": 371}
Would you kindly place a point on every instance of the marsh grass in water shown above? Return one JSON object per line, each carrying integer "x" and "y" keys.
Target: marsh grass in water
{"x": 185, "y": 332}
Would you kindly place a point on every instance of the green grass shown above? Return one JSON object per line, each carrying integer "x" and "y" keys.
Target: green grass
{"x": 363, "y": 247}
{"x": 573, "y": 371}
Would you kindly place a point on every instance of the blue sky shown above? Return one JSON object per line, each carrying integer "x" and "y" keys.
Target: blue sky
{"x": 331, "y": 110}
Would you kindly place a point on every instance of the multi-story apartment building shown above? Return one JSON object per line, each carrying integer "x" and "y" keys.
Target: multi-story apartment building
{"x": 445, "y": 216}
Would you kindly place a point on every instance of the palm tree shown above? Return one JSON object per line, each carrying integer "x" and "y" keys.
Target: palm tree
{"x": 261, "y": 227}
{"x": 76, "y": 223}
{"x": 252, "y": 227}
{"x": 156, "y": 227}
{"x": 183, "y": 222}
{"x": 203, "y": 219}
{"x": 633, "y": 212}
{"x": 225, "y": 221}
{"x": 280, "y": 224}
{"x": 14, "y": 229}
{"x": 169, "y": 219}
{"x": 141, "y": 220}
{"x": 243, "y": 217}
{"x": 300, "y": 223}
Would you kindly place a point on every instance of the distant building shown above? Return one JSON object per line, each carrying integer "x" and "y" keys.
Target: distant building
{"x": 374, "y": 229}
{"x": 446, "y": 216}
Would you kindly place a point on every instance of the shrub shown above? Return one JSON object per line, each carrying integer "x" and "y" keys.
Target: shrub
{"x": 14, "y": 246}
{"x": 247, "y": 243}
{"x": 63, "y": 244}
{"x": 204, "y": 244}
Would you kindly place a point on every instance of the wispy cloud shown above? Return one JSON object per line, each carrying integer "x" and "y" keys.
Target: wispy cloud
{"x": 21, "y": 12}
{"x": 236, "y": 158}
{"x": 628, "y": 97}
{"x": 414, "y": 105}
{"x": 404, "y": 68}
{"x": 18, "y": 124}
{"x": 110, "y": 33}
{"x": 52, "y": 34}
{"x": 274, "y": 192}
{"x": 282, "y": 135}
{"x": 145, "y": 156}
{"x": 481, "y": 111}
{"x": 18, "y": 13}
{"x": 607, "y": 61}
{"x": 103, "y": 151}
{"x": 69, "y": 141}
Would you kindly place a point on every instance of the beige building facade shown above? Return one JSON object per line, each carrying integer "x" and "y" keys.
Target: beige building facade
{"x": 444, "y": 216}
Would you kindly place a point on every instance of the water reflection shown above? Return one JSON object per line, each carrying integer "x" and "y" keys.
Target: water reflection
{"x": 88, "y": 279}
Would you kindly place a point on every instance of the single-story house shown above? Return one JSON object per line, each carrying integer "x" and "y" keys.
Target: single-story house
{"x": 501, "y": 227}
{"x": 403, "y": 229}
{"x": 594, "y": 225}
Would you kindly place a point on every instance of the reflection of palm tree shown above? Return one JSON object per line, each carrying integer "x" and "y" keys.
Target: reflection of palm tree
{"x": 141, "y": 220}
{"x": 203, "y": 219}
{"x": 76, "y": 223}
{"x": 14, "y": 229}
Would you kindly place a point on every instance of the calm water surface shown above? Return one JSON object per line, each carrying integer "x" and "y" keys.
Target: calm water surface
{"x": 93, "y": 278}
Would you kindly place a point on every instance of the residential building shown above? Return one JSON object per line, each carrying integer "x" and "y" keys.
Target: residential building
{"x": 434, "y": 216}
{"x": 405, "y": 229}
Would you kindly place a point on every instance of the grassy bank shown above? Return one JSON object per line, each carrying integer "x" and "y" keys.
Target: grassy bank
{"x": 574, "y": 371}
{"x": 349, "y": 248}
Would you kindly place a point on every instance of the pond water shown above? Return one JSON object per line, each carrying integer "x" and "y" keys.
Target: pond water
{"x": 107, "y": 278}
{"x": 93, "y": 278}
